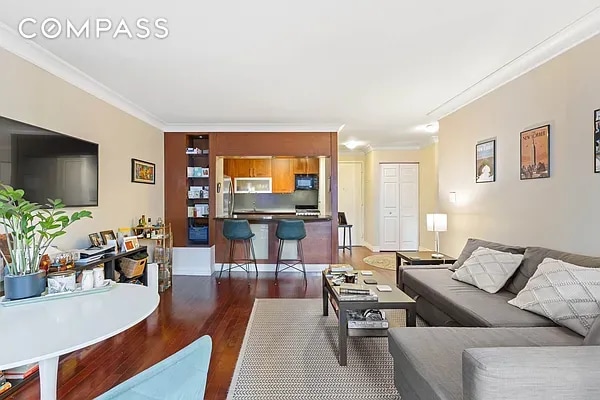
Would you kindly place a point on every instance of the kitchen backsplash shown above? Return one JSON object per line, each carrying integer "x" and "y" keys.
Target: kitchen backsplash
{"x": 247, "y": 201}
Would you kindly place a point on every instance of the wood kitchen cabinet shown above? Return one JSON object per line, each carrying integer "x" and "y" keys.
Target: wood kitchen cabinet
{"x": 306, "y": 165}
{"x": 247, "y": 167}
{"x": 282, "y": 172}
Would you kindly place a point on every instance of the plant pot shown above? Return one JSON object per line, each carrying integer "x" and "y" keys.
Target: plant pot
{"x": 23, "y": 286}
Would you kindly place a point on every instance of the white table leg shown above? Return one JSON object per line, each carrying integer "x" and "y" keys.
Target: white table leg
{"x": 48, "y": 378}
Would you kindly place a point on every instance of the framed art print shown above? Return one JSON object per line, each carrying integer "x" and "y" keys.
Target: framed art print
{"x": 143, "y": 171}
{"x": 535, "y": 153}
{"x": 597, "y": 141}
{"x": 485, "y": 164}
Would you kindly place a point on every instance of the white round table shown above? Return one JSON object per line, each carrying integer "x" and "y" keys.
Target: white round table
{"x": 41, "y": 332}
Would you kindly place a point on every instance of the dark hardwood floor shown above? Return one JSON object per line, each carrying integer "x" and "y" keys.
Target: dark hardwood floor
{"x": 195, "y": 306}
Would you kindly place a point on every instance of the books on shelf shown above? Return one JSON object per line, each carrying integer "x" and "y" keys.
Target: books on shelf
{"x": 367, "y": 319}
{"x": 21, "y": 372}
{"x": 197, "y": 172}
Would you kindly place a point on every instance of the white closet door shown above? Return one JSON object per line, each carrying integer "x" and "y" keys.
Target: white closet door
{"x": 390, "y": 208}
{"x": 409, "y": 206}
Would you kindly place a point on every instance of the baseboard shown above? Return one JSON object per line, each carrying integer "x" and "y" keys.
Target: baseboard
{"x": 374, "y": 249}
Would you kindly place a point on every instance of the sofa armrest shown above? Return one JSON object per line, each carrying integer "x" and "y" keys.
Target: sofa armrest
{"x": 531, "y": 373}
{"x": 408, "y": 267}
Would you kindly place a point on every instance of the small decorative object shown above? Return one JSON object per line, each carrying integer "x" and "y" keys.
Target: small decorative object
{"x": 597, "y": 141}
{"x": 535, "y": 153}
{"x": 98, "y": 276}
{"x": 143, "y": 171}
{"x": 61, "y": 282}
{"x": 130, "y": 243}
{"x": 143, "y": 220}
{"x": 437, "y": 223}
{"x": 87, "y": 280}
{"x": 95, "y": 239}
{"x": 350, "y": 277}
{"x": 107, "y": 235}
{"x": 159, "y": 222}
{"x": 31, "y": 229}
{"x": 485, "y": 166}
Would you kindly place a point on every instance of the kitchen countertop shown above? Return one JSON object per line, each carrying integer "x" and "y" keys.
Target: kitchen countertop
{"x": 266, "y": 218}
{"x": 265, "y": 211}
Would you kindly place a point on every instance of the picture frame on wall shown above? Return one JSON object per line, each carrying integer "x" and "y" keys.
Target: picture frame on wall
{"x": 597, "y": 141}
{"x": 535, "y": 153}
{"x": 143, "y": 172}
{"x": 485, "y": 161}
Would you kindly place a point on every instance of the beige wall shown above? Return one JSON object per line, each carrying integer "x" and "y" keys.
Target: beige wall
{"x": 34, "y": 96}
{"x": 559, "y": 212}
{"x": 427, "y": 159}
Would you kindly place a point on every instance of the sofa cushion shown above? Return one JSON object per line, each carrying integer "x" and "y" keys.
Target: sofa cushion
{"x": 468, "y": 305}
{"x": 474, "y": 244}
{"x": 430, "y": 359}
{"x": 593, "y": 336}
{"x": 488, "y": 269}
{"x": 566, "y": 293}
{"x": 534, "y": 257}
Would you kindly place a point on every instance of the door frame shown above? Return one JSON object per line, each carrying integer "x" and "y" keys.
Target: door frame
{"x": 361, "y": 240}
{"x": 380, "y": 203}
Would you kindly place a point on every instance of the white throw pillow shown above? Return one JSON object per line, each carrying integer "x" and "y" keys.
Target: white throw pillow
{"x": 488, "y": 269}
{"x": 565, "y": 293}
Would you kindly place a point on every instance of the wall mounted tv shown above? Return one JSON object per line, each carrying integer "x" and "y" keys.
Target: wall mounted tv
{"x": 48, "y": 165}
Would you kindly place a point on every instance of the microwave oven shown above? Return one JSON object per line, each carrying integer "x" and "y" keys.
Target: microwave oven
{"x": 307, "y": 182}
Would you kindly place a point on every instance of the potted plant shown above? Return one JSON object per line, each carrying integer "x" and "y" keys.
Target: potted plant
{"x": 30, "y": 229}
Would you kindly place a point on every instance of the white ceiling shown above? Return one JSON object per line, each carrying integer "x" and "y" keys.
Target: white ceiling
{"x": 380, "y": 67}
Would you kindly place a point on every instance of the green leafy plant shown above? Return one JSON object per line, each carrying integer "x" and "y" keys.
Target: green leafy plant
{"x": 31, "y": 228}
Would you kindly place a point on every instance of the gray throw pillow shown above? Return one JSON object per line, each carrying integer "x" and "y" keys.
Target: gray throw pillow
{"x": 535, "y": 255}
{"x": 488, "y": 269}
{"x": 567, "y": 294}
{"x": 474, "y": 244}
{"x": 593, "y": 336}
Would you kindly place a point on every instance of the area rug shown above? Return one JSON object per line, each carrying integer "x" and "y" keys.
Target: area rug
{"x": 384, "y": 260}
{"x": 290, "y": 352}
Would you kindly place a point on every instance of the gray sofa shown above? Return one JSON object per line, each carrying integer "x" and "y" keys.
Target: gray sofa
{"x": 482, "y": 348}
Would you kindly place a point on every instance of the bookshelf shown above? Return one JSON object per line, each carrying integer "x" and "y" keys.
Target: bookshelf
{"x": 198, "y": 186}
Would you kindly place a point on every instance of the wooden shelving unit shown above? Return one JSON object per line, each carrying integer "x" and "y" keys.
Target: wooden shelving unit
{"x": 162, "y": 253}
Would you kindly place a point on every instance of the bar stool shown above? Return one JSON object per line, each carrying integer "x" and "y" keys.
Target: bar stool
{"x": 343, "y": 223}
{"x": 238, "y": 230}
{"x": 290, "y": 230}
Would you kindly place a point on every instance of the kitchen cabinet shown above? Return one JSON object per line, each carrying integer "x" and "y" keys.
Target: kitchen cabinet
{"x": 247, "y": 167}
{"x": 282, "y": 172}
{"x": 306, "y": 165}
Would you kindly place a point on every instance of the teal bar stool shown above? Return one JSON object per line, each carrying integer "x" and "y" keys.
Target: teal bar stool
{"x": 291, "y": 230}
{"x": 238, "y": 231}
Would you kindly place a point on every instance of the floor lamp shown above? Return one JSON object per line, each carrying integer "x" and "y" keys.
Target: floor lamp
{"x": 437, "y": 223}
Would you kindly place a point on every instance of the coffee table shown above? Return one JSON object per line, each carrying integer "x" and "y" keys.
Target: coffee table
{"x": 396, "y": 299}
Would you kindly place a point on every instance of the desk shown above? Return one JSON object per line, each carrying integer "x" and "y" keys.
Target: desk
{"x": 41, "y": 332}
{"x": 110, "y": 259}
{"x": 419, "y": 258}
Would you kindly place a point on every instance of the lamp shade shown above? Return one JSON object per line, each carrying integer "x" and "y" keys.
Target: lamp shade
{"x": 437, "y": 222}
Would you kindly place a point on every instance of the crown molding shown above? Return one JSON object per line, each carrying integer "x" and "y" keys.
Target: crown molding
{"x": 577, "y": 32}
{"x": 252, "y": 127}
{"x": 44, "y": 59}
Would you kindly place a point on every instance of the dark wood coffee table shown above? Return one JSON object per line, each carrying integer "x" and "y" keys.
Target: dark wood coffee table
{"x": 396, "y": 299}
{"x": 419, "y": 258}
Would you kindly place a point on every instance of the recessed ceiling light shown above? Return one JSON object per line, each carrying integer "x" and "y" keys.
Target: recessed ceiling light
{"x": 352, "y": 144}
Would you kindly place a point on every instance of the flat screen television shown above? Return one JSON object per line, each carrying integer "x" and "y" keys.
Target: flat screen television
{"x": 48, "y": 165}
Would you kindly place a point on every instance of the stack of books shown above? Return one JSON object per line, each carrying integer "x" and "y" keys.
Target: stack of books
{"x": 367, "y": 319}
{"x": 352, "y": 292}
{"x": 21, "y": 372}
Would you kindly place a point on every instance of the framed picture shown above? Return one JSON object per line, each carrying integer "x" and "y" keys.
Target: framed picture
{"x": 95, "y": 239}
{"x": 597, "y": 141}
{"x": 485, "y": 161}
{"x": 143, "y": 172}
{"x": 131, "y": 243}
{"x": 535, "y": 153}
{"x": 108, "y": 235}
